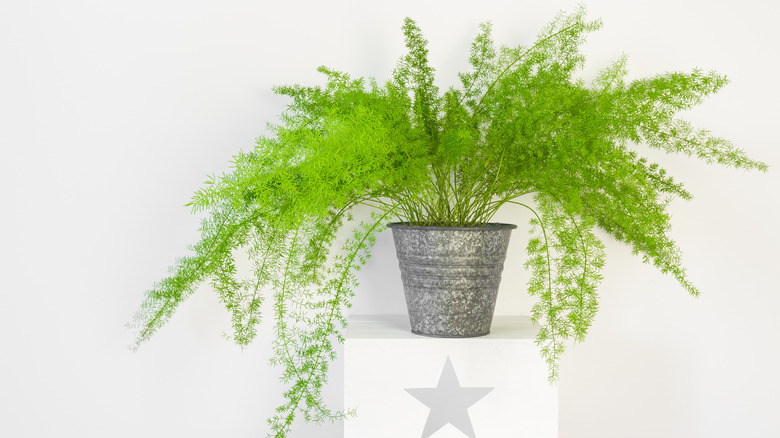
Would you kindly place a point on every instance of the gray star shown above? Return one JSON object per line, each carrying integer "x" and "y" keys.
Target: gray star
{"x": 448, "y": 402}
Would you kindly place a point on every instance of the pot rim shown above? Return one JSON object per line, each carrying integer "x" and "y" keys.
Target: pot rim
{"x": 484, "y": 227}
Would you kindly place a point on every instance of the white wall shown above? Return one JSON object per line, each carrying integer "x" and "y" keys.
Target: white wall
{"x": 112, "y": 114}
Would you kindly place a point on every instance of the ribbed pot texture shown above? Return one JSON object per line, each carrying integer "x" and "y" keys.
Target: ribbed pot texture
{"x": 451, "y": 276}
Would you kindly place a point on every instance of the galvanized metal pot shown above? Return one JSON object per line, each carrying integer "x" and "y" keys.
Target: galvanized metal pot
{"x": 451, "y": 276}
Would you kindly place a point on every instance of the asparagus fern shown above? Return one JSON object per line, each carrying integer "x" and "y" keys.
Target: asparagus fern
{"x": 519, "y": 129}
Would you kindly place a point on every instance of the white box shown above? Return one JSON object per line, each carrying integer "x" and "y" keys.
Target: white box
{"x": 403, "y": 385}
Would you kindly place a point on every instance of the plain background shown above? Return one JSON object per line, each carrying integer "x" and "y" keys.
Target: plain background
{"x": 113, "y": 112}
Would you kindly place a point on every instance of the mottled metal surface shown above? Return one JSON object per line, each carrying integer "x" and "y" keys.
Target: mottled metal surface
{"x": 451, "y": 276}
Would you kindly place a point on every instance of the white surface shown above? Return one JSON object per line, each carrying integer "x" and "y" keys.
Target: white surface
{"x": 113, "y": 113}
{"x": 382, "y": 359}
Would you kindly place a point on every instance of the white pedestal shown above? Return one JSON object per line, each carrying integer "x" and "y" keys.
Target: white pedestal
{"x": 405, "y": 386}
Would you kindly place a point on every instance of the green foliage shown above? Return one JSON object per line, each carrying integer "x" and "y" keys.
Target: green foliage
{"x": 519, "y": 126}
{"x": 565, "y": 259}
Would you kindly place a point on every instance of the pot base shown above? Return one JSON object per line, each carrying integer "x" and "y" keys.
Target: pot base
{"x": 448, "y": 336}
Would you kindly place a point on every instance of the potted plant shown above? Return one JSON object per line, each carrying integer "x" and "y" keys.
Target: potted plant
{"x": 519, "y": 130}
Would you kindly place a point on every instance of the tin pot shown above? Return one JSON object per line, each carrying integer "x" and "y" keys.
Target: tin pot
{"x": 451, "y": 276}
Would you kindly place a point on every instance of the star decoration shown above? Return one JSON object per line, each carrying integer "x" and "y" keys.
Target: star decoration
{"x": 448, "y": 402}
